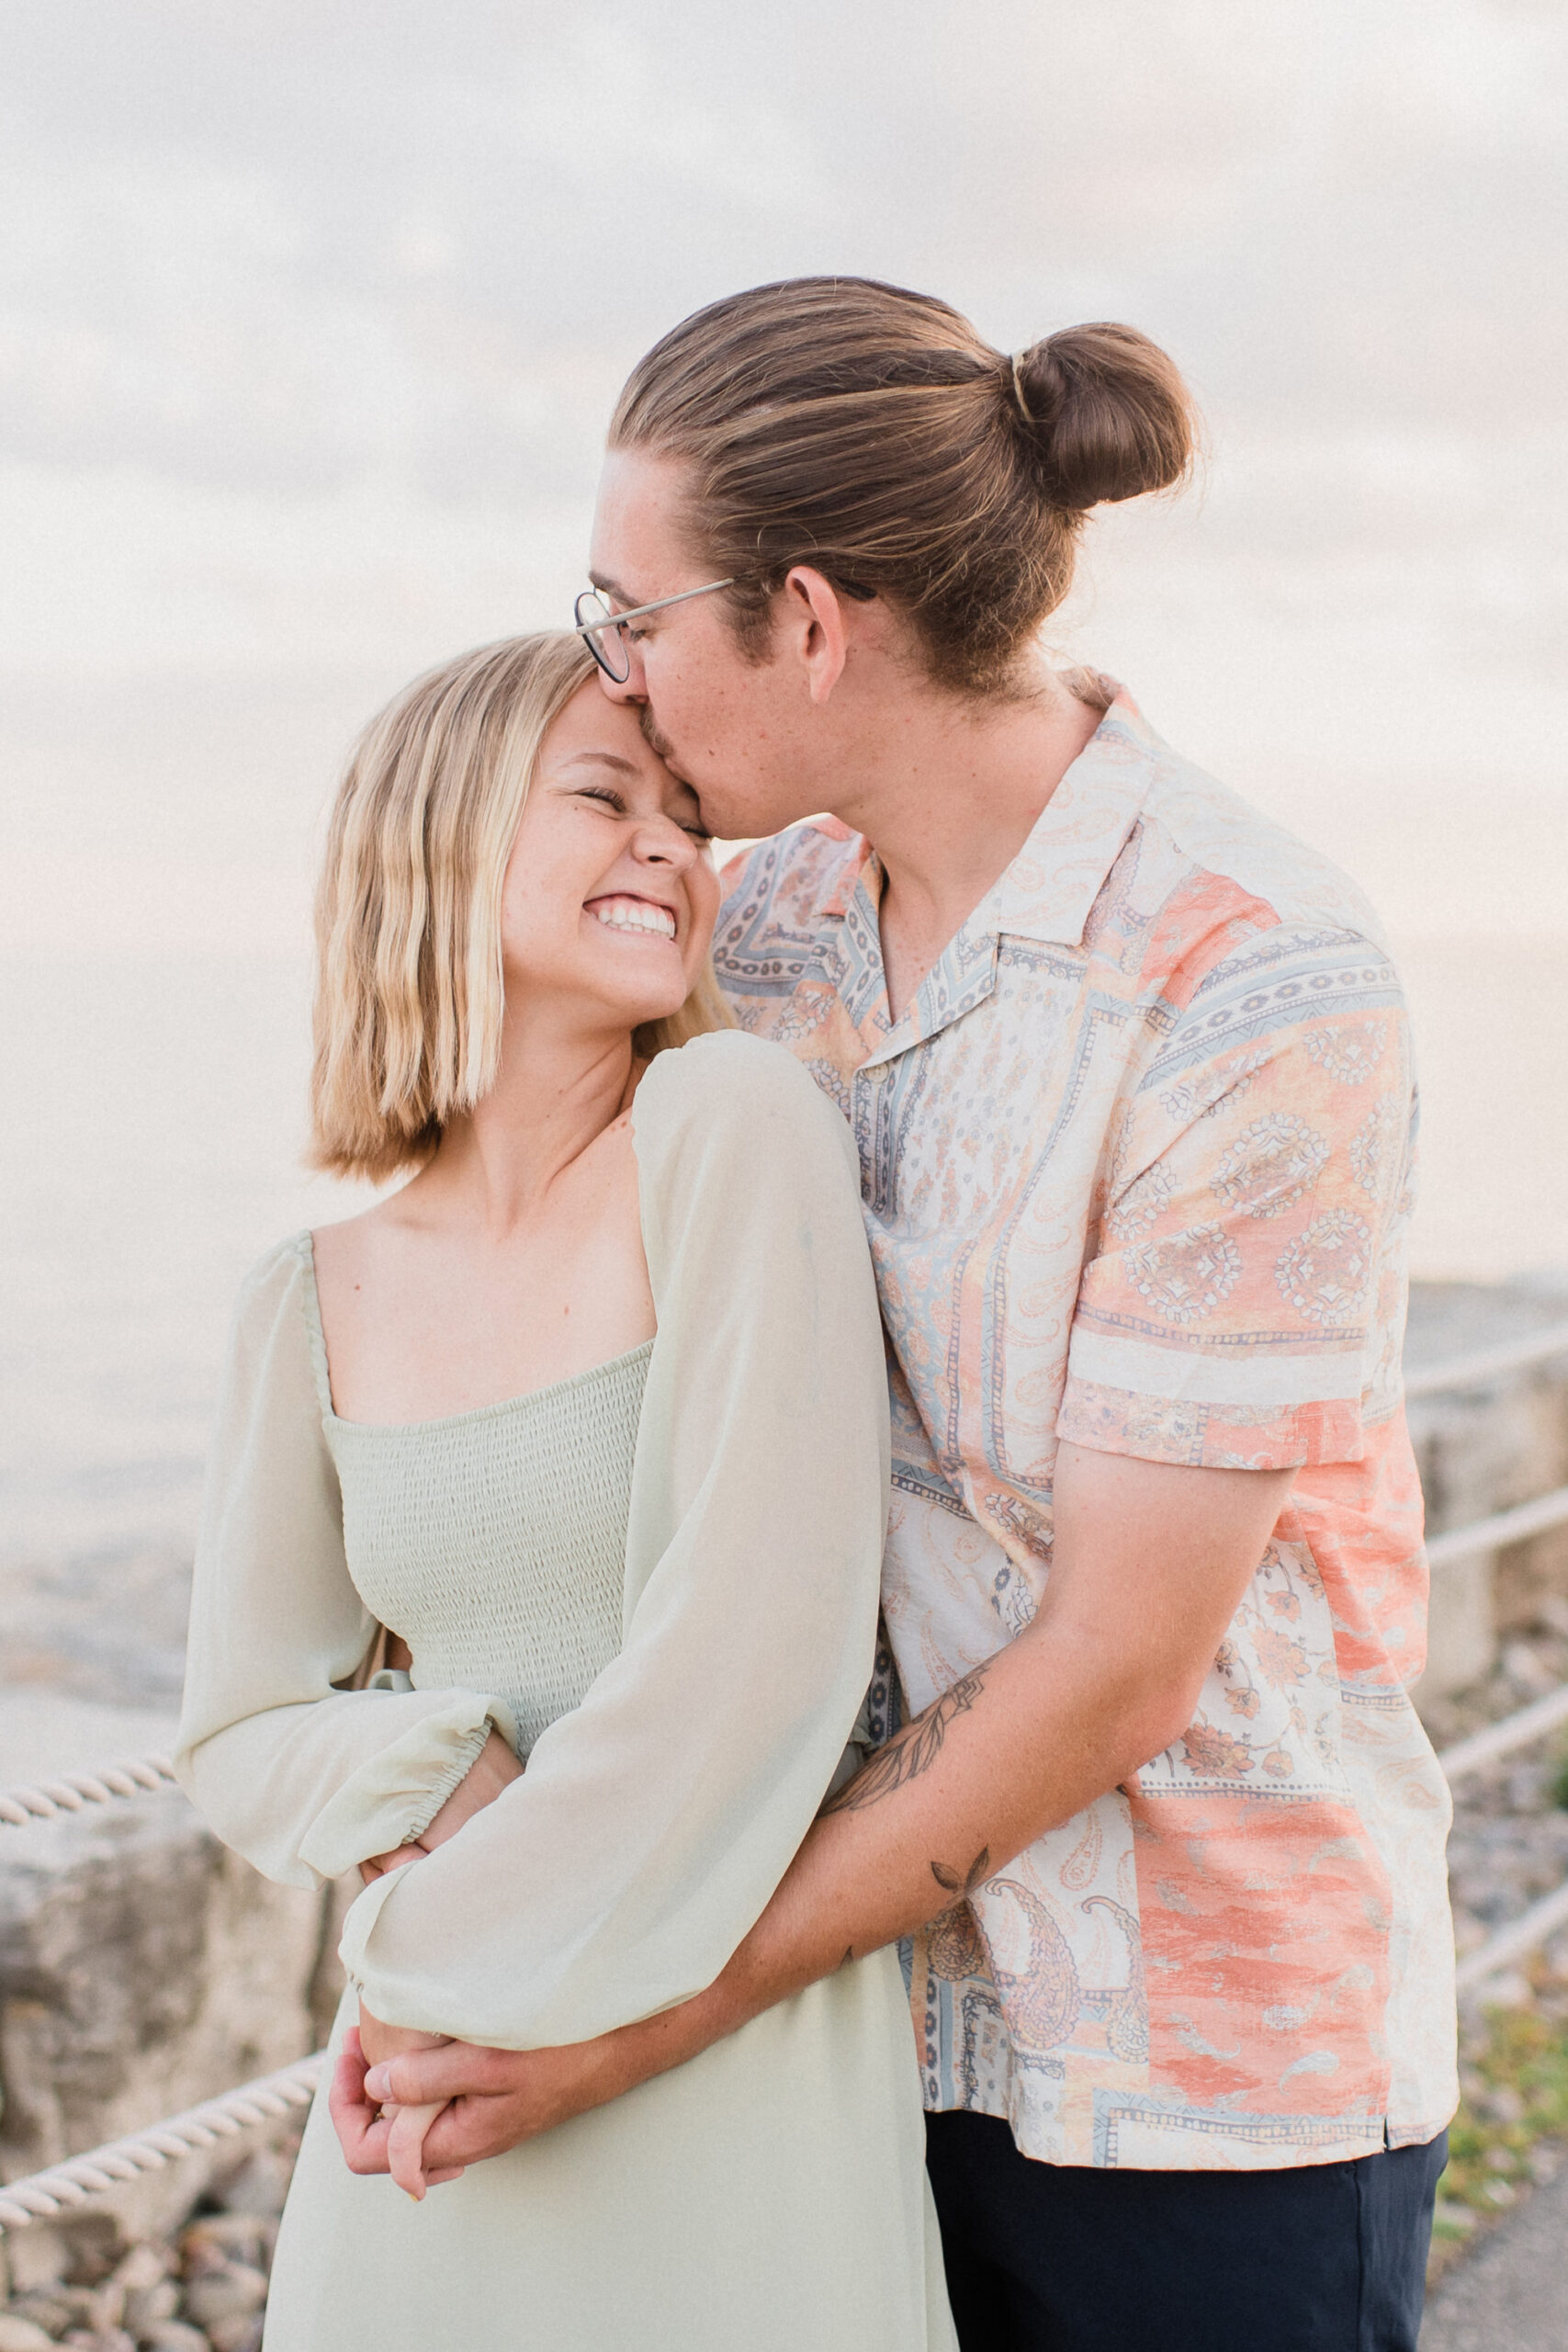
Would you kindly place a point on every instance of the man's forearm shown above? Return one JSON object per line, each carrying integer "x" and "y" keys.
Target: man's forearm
{"x": 945, "y": 1805}
{"x": 1103, "y": 1679}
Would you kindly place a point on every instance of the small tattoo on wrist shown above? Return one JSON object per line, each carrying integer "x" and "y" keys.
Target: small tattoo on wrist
{"x": 950, "y": 1882}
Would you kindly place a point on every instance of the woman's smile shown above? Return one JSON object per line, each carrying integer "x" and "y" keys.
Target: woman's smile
{"x": 623, "y": 910}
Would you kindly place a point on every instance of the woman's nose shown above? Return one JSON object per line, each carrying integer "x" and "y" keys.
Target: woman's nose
{"x": 662, "y": 842}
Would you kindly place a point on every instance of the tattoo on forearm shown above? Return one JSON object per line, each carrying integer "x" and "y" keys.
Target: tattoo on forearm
{"x": 913, "y": 1752}
{"x": 950, "y": 1883}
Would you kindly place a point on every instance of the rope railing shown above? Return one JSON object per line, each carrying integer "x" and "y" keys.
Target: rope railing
{"x": 82, "y": 2180}
{"x": 1515, "y": 1940}
{"x": 1499, "y": 1739}
{"x": 1480, "y": 1365}
{"x": 45, "y": 2195}
{"x": 1502, "y": 1527}
{"x": 129, "y": 1777}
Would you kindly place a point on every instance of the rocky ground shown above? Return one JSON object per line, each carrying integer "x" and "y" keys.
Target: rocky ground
{"x": 201, "y": 2289}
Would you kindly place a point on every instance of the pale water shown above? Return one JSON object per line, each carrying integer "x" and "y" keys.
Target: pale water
{"x": 150, "y": 1151}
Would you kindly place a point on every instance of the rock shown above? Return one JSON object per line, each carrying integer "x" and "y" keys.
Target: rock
{"x": 173, "y": 2335}
{"x": 52, "y": 2313}
{"x": 1480, "y": 1453}
{"x": 139, "y": 2285}
{"x": 144, "y": 2267}
{"x": 215, "y": 2239}
{"x": 260, "y": 2186}
{"x": 142, "y": 1967}
{"x": 146, "y": 2306}
{"x": 19, "y": 2335}
{"x": 234, "y": 2292}
{"x": 237, "y": 2335}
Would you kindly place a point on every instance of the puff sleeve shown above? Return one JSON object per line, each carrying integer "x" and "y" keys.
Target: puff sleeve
{"x": 305, "y": 1780}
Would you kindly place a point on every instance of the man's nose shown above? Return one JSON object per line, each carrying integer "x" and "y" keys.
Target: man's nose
{"x": 633, "y": 687}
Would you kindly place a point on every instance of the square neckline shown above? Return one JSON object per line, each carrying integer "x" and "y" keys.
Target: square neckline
{"x": 321, "y": 1365}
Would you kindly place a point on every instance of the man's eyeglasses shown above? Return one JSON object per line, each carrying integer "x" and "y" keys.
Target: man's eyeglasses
{"x": 600, "y": 629}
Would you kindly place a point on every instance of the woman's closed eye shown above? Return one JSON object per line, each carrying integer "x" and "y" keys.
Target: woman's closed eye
{"x": 615, "y": 802}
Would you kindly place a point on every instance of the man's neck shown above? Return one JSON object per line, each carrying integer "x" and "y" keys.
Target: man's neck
{"x": 951, "y": 808}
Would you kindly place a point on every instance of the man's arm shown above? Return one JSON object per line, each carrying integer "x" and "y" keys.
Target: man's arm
{"x": 1150, "y": 1564}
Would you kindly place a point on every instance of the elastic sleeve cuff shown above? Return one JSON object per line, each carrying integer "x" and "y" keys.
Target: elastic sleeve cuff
{"x": 399, "y": 1791}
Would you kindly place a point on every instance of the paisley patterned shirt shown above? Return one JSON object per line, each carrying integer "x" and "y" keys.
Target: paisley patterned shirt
{"x": 1136, "y": 1164}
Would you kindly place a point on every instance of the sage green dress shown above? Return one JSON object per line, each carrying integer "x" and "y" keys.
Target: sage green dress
{"x": 660, "y": 1580}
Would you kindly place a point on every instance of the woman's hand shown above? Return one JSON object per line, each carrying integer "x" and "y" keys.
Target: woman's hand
{"x": 405, "y": 2139}
{"x": 493, "y": 1769}
{"x": 378, "y": 1865}
{"x": 391, "y": 2138}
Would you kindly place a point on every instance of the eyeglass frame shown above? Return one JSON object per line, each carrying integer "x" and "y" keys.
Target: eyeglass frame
{"x": 589, "y": 630}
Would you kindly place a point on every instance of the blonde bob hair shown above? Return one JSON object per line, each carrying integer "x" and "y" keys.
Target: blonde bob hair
{"x": 410, "y": 994}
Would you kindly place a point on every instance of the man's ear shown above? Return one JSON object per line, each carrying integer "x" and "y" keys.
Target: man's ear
{"x": 814, "y": 628}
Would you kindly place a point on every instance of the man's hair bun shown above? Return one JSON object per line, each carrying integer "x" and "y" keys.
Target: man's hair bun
{"x": 1108, "y": 413}
{"x": 874, "y": 433}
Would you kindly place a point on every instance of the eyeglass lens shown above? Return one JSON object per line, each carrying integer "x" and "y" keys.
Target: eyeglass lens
{"x": 606, "y": 643}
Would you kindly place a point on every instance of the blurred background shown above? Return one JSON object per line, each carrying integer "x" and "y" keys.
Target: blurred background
{"x": 310, "y": 320}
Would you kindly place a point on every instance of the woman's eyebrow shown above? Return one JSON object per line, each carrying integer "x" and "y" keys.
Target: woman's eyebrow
{"x": 609, "y": 587}
{"x": 604, "y": 760}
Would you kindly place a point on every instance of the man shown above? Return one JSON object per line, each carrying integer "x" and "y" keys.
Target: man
{"x": 1129, "y": 1074}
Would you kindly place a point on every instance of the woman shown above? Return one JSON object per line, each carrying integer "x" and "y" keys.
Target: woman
{"x": 591, "y": 1415}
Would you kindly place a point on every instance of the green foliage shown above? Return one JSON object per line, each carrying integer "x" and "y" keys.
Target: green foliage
{"x": 1516, "y": 2075}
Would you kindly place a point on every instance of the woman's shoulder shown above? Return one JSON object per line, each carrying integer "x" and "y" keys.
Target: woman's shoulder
{"x": 279, "y": 1281}
{"x": 278, "y": 1268}
{"x": 730, "y": 1077}
{"x": 745, "y": 1105}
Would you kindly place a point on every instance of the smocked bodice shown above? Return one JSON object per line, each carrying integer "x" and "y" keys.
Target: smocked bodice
{"x": 494, "y": 1541}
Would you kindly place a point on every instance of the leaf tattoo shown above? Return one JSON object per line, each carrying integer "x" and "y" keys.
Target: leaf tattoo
{"x": 913, "y": 1752}
{"x": 950, "y": 1883}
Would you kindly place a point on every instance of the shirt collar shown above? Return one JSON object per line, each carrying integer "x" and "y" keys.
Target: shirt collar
{"x": 846, "y": 880}
{"x": 1047, "y": 891}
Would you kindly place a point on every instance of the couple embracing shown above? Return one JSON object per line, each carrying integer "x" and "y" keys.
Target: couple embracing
{"x": 846, "y": 1543}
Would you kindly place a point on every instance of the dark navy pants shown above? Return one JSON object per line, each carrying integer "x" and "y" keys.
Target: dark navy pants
{"x": 1064, "y": 2259}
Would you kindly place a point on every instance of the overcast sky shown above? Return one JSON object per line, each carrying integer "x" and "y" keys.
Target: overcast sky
{"x": 312, "y": 316}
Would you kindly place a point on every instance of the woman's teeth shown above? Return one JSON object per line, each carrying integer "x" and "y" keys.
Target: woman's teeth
{"x": 636, "y": 914}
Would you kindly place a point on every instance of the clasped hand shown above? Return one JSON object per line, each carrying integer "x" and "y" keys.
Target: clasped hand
{"x": 390, "y": 2135}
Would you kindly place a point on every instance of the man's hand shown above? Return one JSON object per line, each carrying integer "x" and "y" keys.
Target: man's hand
{"x": 497, "y": 2098}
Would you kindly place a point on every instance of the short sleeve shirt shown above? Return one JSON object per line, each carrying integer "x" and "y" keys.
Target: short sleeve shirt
{"x": 1136, "y": 1164}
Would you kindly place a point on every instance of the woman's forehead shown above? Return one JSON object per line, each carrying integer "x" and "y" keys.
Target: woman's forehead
{"x": 592, "y": 731}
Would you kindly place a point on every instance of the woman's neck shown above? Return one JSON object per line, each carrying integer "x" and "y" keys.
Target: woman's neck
{"x": 554, "y": 1093}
